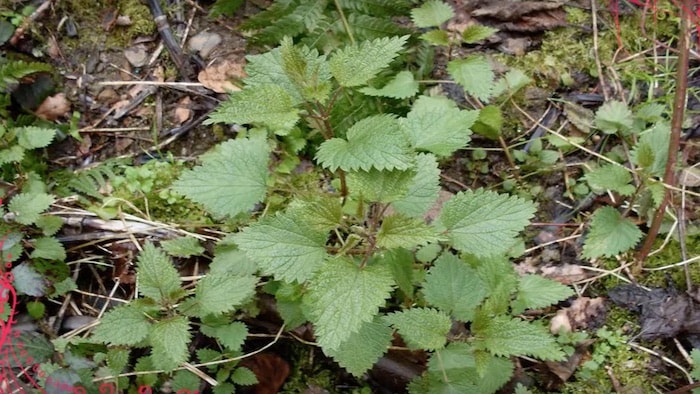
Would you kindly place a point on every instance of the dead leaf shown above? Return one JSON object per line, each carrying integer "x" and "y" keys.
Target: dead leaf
{"x": 53, "y": 107}
{"x": 137, "y": 55}
{"x": 271, "y": 371}
{"x": 218, "y": 77}
{"x": 583, "y": 313}
{"x": 564, "y": 273}
{"x": 182, "y": 112}
{"x": 665, "y": 313}
{"x": 122, "y": 143}
{"x": 522, "y": 16}
{"x": 690, "y": 177}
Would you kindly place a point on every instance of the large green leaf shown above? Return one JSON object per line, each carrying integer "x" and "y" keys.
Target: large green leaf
{"x": 437, "y": 125}
{"x": 231, "y": 179}
{"x": 284, "y": 245}
{"x": 421, "y": 328}
{"x": 454, "y": 287}
{"x": 535, "y": 291}
{"x": 401, "y": 86}
{"x": 380, "y": 186}
{"x": 610, "y": 234}
{"x": 342, "y": 297}
{"x": 158, "y": 278}
{"x": 485, "y": 223}
{"x": 221, "y": 293}
{"x": 123, "y": 325}
{"x": 357, "y": 64}
{"x": 169, "y": 338}
{"x": 267, "y": 105}
{"x": 398, "y": 231}
{"x": 362, "y": 349}
{"x": 431, "y": 14}
{"x": 474, "y": 74}
{"x": 507, "y": 336}
{"x": 373, "y": 142}
{"x": 422, "y": 189}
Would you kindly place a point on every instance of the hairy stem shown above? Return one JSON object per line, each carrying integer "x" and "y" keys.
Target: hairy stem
{"x": 676, "y": 125}
{"x": 346, "y": 25}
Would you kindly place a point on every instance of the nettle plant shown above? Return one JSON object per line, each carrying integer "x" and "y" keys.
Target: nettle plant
{"x": 635, "y": 186}
{"x": 353, "y": 253}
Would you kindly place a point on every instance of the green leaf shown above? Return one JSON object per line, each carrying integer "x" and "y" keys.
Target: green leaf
{"x": 454, "y": 287}
{"x": 222, "y": 293}
{"x": 422, "y": 189}
{"x": 506, "y": 336}
{"x": 611, "y": 177}
{"x": 400, "y": 262}
{"x": 436, "y": 37}
{"x": 513, "y": 81}
{"x": 28, "y": 207}
{"x": 267, "y": 105}
{"x": 231, "y": 335}
{"x": 322, "y": 212}
{"x": 466, "y": 371}
{"x": 355, "y": 65}
{"x": 229, "y": 260}
{"x": 123, "y": 325}
{"x": 614, "y": 116}
{"x": 437, "y": 125}
{"x": 401, "y": 86}
{"x": 363, "y": 348}
{"x": 284, "y": 246}
{"x": 63, "y": 287}
{"x": 490, "y": 122}
{"x": 651, "y": 152}
{"x": 501, "y": 282}
{"x": 48, "y": 248}
{"x": 610, "y": 234}
{"x": 373, "y": 142}
{"x": 432, "y": 13}
{"x": 12, "y": 154}
{"x": 49, "y": 224}
{"x": 535, "y": 292}
{"x": 421, "y": 328}
{"x": 343, "y": 296}
{"x": 35, "y": 309}
{"x": 308, "y": 71}
{"x": 158, "y": 279}
{"x": 244, "y": 377}
{"x": 185, "y": 382}
{"x": 182, "y": 247}
{"x": 380, "y": 186}
{"x": 231, "y": 179}
{"x": 475, "y": 33}
{"x": 32, "y": 137}
{"x": 398, "y": 231}
{"x": 485, "y": 223}
{"x": 474, "y": 74}
{"x": 26, "y": 280}
{"x": 695, "y": 355}
{"x": 169, "y": 338}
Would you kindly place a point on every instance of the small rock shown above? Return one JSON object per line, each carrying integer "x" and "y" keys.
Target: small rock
{"x": 136, "y": 55}
{"x": 204, "y": 43}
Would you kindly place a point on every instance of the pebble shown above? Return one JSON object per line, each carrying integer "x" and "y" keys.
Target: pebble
{"x": 136, "y": 55}
{"x": 204, "y": 43}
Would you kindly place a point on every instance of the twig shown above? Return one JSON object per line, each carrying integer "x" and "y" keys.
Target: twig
{"x": 676, "y": 126}
{"x": 599, "y": 68}
{"x": 19, "y": 32}
{"x": 166, "y": 34}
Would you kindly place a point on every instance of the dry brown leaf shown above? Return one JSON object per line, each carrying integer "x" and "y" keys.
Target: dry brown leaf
{"x": 564, "y": 273}
{"x": 690, "y": 177}
{"x": 584, "y": 312}
{"x": 271, "y": 371}
{"x": 182, "y": 112}
{"x": 53, "y": 107}
{"x": 218, "y": 77}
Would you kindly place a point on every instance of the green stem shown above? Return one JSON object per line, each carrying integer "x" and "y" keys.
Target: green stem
{"x": 346, "y": 25}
